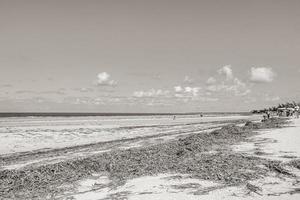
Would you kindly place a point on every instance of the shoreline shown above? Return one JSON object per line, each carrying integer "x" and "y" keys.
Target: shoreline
{"x": 104, "y": 114}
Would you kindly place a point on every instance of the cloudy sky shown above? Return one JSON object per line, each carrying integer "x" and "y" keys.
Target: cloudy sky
{"x": 148, "y": 56}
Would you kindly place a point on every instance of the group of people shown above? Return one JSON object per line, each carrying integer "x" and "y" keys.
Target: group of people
{"x": 289, "y": 112}
{"x": 283, "y": 112}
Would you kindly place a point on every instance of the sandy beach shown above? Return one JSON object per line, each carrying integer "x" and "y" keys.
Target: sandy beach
{"x": 149, "y": 100}
{"x": 227, "y": 157}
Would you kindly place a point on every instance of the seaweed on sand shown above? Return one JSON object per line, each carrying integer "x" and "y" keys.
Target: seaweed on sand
{"x": 267, "y": 123}
{"x": 278, "y": 167}
{"x": 295, "y": 163}
{"x": 253, "y": 188}
{"x": 229, "y": 130}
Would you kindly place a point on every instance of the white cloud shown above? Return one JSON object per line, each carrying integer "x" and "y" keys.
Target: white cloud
{"x": 213, "y": 88}
{"x": 250, "y": 100}
{"x": 103, "y": 78}
{"x": 81, "y": 101}
{"x": 84, "y": 89}
{"x": 236, "y": 86}
{"x": 151, "y": 93}
{"x": 186, "y": 91}
{"x": 208, "y": 99}
{"x": 192, "y": 90}
{"x": 187, "y": 79}
{"x": 156, "y": 102}
{"x": 232, "y": 84}
{"x": 239, "y": 88}
{"x": 211, "y": 80}
{"x": 139, "y": 94}
{"x": 271, "y": 98}
{"x": 239, "y": 83}
{"x": 178, "y": 89}
{"x": 243, "y": 93}
{"x": 227, "y": 71}
{"x": 208, "y": 93}
{"x": 262, "y": 75}
{"x": 179, "y": 95}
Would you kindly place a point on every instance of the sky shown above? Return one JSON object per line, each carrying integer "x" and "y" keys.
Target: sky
{"x": 148, "y": 56}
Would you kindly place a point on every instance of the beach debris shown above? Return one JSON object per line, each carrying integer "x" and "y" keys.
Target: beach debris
{"x": 266, "y": 124}
{"x": 253, "y": 188}
{"x": 277, "y": 166}
{"x": 187, "y": 186}
{"x": 252, "y": 125}
{"x": 118, "y": 196}
{"x": 229, "y": 129}
{"x": 295, "y": 163}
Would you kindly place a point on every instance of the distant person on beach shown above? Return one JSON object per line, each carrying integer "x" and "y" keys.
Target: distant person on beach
{"x": 268, "y": 114}
{"x": 297, "y": 110}
{"x": 174, "y": 117}
{"x": 264, "y": 117}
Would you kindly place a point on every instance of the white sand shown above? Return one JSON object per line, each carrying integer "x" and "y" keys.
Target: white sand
{"x": 280, "y": 144}
{"x": 163, "y": 186}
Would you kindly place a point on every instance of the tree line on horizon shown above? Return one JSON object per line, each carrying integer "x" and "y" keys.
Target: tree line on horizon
{"x": 275, "y": 108}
